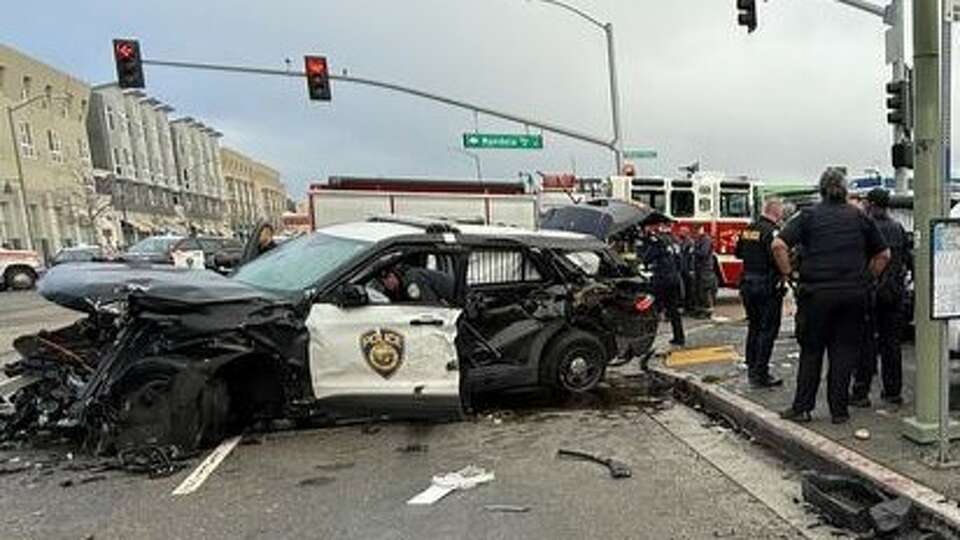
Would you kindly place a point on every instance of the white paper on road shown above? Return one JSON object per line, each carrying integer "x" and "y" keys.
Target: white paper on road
{"x": 206, "y": 468}
{"x": 466, "y": 478}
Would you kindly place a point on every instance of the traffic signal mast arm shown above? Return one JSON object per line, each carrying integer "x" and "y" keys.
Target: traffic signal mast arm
{"x": 553, "y": 128}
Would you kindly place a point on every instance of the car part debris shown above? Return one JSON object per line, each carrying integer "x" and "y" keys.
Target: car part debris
{"x": 506, "y": 508}
{"x": 893, "y": 516}
{"x": 154, "y": 461}
{"x": 413, "y": 448}
{"x": 207, "y": 466}
{"x": 316, "y": 481}
{"x": 468, "y": 477}
{"x": 843, "y": 501}
{"x": 618, "y": 469}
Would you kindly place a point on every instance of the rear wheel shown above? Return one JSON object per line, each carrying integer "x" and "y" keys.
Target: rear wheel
{"x": 20, "y": 278}
{"x": 574, "y": 363}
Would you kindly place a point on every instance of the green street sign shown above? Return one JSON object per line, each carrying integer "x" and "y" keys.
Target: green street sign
{"x": 640, "y": 154}
{"x": 502, "y": 141}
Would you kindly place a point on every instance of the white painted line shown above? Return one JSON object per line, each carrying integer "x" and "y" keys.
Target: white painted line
{"x": 206, "y": 468}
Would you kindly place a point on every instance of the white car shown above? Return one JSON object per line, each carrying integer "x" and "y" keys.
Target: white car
{"x": 19, "y": 268}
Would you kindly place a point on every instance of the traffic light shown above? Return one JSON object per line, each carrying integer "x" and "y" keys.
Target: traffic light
{"x": 126, "y": 53}
{"x": 902, "y": 154}
{"x": 747, "y": 14}
{"x": 318, "y": 78}
{"x": 898, "y": 103}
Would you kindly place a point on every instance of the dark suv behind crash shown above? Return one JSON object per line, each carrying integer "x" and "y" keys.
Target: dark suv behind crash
{"x": 385, "y": 318}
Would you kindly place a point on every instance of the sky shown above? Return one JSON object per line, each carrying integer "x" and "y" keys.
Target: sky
{"x": 805, "y": 91}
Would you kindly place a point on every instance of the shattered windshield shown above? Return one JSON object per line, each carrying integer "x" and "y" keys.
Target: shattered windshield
{"x": 154, "y": 245}
{"x": 300, "y": 263}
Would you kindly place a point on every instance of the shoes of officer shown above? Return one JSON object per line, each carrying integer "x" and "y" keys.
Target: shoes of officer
{"x": 766, "y": 382}
{"x": 678, "y": 343}
{"x": 865, "y": 403}
{"x": 803, "y": 417}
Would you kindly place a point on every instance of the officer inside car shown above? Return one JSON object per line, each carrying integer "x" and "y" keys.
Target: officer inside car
{"x": 406, "y": 283}
{"x": 840, "y": 245}
{"x": 762, "y": 291}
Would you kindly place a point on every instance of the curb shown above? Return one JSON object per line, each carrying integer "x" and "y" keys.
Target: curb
{"x": 789, "y": 439}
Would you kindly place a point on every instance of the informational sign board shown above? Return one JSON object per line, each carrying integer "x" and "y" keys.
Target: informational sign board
{"x": 945, "y": 269}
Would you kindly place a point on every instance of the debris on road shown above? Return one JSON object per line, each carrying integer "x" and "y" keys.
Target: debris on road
{"x": 413, "y": 448}
{"x": 206, "y": 468}
{"x": 507, "y": 508}
{"x": 862, "y": 434}
{"x": 316, "y": 481}
{"x": 855, "y": 505}
{"x": 468, "y": 477}
{"x": 618, "y": 469}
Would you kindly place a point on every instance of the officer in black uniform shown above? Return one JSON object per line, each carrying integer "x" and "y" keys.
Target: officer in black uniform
{"x": 661, "y": 255}
{"x": 840, "y": 244}
{"x": 762, "y": 290}
{"x": 886, "y": 310}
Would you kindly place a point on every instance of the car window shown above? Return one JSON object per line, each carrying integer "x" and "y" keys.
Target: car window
{"x": 587, "y": 262}
{"x": 488, "y": 267}
{"x": 232, "y": 243}
{"x": 301, "y": 263}
{"x": 210, "y": 244}
{"x": 734, "y": 204}
{"x": 156, "y": 244}
{"x": 188, "y": 244}
{"x": 420, "y": 277}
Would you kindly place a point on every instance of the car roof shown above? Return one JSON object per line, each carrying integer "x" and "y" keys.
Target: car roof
{"x": 372, "y": 231}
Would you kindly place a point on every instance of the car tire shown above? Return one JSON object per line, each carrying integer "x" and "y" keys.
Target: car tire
{"x": 574, "y": 363}
{"x": 19, "y": 278}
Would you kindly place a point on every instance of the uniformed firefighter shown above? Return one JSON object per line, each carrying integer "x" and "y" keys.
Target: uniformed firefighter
{"x": 662, "y": 256}
{"x": 886, "y": 311}
{"x": 704, "y": 277}
{"x": 840, "y": 244}
{"x": 761, "y": 289}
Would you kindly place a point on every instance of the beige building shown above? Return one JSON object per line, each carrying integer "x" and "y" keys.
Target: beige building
{"x": 49, "y": 112}
{"x": 252, "y": 192}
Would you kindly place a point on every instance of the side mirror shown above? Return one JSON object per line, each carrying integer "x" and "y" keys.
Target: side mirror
{"x": 350, "y": 296}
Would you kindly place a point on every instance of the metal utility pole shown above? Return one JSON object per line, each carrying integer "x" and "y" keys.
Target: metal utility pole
{"x": 617, "y": 143}
{"x": 943, "y": 401}
{"x": 928, "y": 203}
{"x": 474, "y": 157}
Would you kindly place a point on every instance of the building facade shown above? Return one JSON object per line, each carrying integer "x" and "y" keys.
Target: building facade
{"x": 253, "y": 192}
{"x": 161, "y": 175}
{"x": 47, "y": 196}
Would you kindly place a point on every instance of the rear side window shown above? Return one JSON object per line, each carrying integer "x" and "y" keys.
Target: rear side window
{"x": 210, "y": 244}
{"x": 490, "y": 267}
{"x": 188, "y": 244}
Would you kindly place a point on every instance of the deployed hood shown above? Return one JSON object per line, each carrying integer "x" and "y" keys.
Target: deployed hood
{"x": 601, "y": 218}
{"x": 85, "y": 286}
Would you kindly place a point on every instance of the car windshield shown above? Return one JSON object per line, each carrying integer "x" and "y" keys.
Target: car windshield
{"x": 155, "y": 244}
{"x": 300, "y": 263}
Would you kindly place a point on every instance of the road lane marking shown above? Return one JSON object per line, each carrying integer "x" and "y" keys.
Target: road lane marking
{"x": 206, "y": 467}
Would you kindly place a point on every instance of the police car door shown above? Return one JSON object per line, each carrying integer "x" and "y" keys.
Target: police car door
{"x": 387, "y": 358}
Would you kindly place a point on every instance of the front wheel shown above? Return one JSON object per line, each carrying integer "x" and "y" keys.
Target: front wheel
{"x": 20, "y": 279}
{"x": 574, "y": 363}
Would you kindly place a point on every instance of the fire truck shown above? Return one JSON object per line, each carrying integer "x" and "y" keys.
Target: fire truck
{"x": 725, "y": 205}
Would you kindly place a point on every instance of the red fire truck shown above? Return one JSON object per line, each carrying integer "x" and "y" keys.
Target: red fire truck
{"x": 724, "y": 204}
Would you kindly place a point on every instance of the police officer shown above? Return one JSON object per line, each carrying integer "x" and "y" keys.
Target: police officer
{"x": 686, "y": 245}
{"x": 839, "y": 243}
{"x": 662, "y": 256}
{"x": 405, "y": 283}
{"x": 886, "y": 311}
{"x": 704, "y": 278}
{"x": 762, "y": 290}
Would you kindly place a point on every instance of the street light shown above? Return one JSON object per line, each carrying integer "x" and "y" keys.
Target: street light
{"x": 612, "y": 66}
{"x": 19, "y": 161}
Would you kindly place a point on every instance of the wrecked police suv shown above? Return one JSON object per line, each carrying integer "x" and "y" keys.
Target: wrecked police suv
{"x": 388, "y": 318}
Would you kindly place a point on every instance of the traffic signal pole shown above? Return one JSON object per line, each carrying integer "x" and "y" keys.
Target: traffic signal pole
{"x": 928, "y": 203}
{"x": 553, "y": 128}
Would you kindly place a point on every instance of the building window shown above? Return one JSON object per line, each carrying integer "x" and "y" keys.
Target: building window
{"x": 65, "y": 104}
{"x": 26, "y": 140}
{"x": 83, "y": 151}
{"x": 116, "y": 161}
{"x": 26, "y": 88}
{"x": 111, "y": 122}
{"x": 55, "y": 146}
{"x": 83, "y": 109}
{"x": 3, "y": 72}
{"x": 126, "y": 157}
{"x": 47, "y": 95}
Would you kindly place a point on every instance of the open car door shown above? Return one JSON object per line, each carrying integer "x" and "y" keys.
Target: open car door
{"x": 390, "y": 360}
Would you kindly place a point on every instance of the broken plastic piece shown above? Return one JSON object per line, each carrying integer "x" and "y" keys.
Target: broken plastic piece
{"x": 843, "y": 501}
{"x": 618, "y": 469}
{"x": 896, "y": 515}
{"x": 507, "y": 508}
{"x": 862, "y": 434}
{"x": 466, "y": 478}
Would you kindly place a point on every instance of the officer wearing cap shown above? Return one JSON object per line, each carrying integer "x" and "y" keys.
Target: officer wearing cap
{"x": 840, "y": 245}
{"x": 762, "y": 290}
{"x": 661, "y": 255}
{"x": 886, "y": 310}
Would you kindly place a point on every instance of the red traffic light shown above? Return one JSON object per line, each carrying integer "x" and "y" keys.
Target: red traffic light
{"x": 126, "y": 54}
{"x": 318, "y": 79}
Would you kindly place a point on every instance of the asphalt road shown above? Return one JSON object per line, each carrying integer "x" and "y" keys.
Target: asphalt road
{"x": 26, "y": 312}
{"x": 691, "y": 479}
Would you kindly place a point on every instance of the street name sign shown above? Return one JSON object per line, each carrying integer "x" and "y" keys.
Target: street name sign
{"x": 502, "y": 141}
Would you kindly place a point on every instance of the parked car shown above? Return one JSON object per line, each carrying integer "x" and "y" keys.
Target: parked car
{"x": 19, "y": 269}
{"x": 317, "y": 328}
{"x": 219, "y": 253}
{"x": 78, "y": 254}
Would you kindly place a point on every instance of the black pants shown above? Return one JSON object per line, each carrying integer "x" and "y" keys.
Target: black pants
{"x": 764, "y": 305}
{"x": 829, "y": 320}
{"x": 669, "y": 295}
{"x": 884, "y": 328}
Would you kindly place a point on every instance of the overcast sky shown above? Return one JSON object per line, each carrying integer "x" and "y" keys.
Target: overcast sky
{"x": 803, "y": 91}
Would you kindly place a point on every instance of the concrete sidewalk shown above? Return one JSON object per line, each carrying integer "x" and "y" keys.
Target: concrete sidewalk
{"x": 726, "y": 383}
